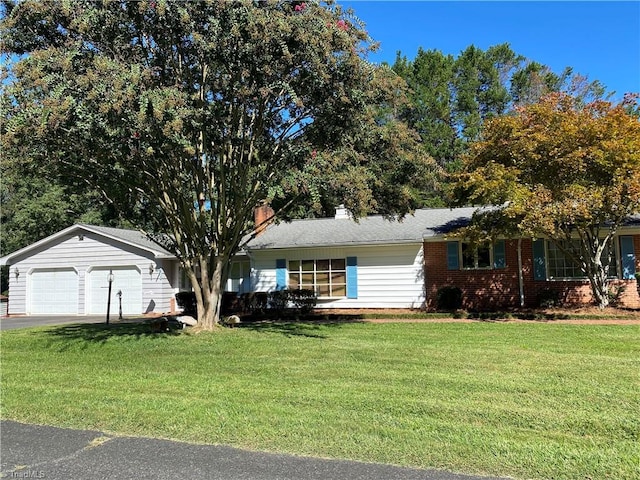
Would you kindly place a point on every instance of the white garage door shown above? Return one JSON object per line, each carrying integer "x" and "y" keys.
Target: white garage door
{"x": 126, "y": 280}
{"x": 54, "y": 292}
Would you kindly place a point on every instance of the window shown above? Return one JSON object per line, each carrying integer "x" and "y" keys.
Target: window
{"x": 239, "y": 277}
{"x": 326, "y": 277}
{"x": 476, "y": 257}
{"x": 183, "y": 282}
{"x": 470, "y": 256}
{"x": 562, "y": 266}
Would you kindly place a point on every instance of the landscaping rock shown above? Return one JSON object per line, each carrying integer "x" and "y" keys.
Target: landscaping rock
{"x": 187, "y": 320}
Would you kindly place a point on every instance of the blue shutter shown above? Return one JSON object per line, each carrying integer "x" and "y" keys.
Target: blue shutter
{"x": 627, "y": 257}
{"x": 539, "y": 264}
{"x": 352, "y": 277}
{"x": 453, "y": 261}
{"x": 499, "y": 254}
{"x": 281, "y": 274}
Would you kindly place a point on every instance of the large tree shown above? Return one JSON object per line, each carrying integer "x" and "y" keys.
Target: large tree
{"x": 201, "y": 110}
{"x": 452, "y": 97}
{"x": 562, "y": 170}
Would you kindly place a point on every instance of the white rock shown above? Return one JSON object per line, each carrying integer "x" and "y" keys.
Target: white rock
{"x": 232, "y": 320}
{"x": 187, "y": 320}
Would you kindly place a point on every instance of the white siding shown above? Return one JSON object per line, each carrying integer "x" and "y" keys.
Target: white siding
{"x": 390, "y": 276}
{"x": 92, "y": 252}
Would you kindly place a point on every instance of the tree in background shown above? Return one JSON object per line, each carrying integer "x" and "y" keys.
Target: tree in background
{"x": 431, "y": 111}
{"x": 452, "y": 97}
{"x": 558, "y": 169}
{"x": 199, "y": 111}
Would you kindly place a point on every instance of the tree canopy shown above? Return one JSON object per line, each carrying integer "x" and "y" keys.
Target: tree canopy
{"x": 561, "y": 170}
{"x": 451, "y": 97}
{"x": 198, "y": 111}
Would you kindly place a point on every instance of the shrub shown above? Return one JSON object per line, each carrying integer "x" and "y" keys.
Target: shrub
{"x": 230, "y": 303}
{"x": 548, "y": 298}
{"x": 187, "y": 301}
{"x": 254, "y": 301}
{"x": 279, "y": 299}
{"x": 449, "y": 298}
{"x": 303, "y": 300}
{"x": 615, "y": 293}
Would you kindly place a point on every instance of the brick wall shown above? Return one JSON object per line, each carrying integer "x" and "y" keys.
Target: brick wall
{"x": 482, "y": 289}
{"x": 499, "y": 288}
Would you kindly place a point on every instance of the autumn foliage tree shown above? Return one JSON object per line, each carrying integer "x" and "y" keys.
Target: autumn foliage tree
{"x": 561, "y": 170}
{"x": 200, "y": 110}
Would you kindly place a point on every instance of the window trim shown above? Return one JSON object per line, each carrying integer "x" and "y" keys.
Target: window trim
{"x": 330, "y": 272}
{"x": 488, "y": 245}
{"x": 497, "y": 256}
{"x": 617, "y": 259}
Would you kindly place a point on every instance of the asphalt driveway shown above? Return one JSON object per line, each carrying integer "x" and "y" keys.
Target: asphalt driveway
{"x": 34, "y": 451}
{"x": 11, "y": 323}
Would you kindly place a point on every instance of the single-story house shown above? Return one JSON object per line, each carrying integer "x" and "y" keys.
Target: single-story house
{"x": 370, "y": 263}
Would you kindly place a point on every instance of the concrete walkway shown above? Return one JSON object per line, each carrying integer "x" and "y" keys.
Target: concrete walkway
{"x": 34, "y": 451}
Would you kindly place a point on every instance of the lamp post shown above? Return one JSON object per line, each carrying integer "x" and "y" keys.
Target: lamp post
{"x": 110, "y": 279}
{"x": 120, "y": 301}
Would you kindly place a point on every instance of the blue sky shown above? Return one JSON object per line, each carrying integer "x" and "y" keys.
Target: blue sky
{"x": 598, "y": 39}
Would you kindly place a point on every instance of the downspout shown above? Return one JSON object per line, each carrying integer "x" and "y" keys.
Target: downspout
{"x": 520, "y": 275}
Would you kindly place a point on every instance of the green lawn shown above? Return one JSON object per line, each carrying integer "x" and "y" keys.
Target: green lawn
{"x": 528, "y": 400}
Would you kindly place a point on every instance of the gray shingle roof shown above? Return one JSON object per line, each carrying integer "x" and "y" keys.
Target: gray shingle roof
{"x": 132, "y": 237}
{"x": 374, "y": 230}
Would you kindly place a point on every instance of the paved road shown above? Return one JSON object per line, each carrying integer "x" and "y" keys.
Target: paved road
{"x": 11, "y": 323}
{"x": 33, "y": 451}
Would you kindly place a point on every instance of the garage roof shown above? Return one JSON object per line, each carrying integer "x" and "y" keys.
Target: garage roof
{"x": 130, "y": 237}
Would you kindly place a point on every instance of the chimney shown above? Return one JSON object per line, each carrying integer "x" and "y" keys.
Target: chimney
{"x": 263, "y": 215}
{"x": 342, "y": 213}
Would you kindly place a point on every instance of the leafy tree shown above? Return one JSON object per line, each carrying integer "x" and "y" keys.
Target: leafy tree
{"x": 561, "y": 170}
{"x": 201, "y": 110}
{"x": 430, "y": 111}
{"x": 534, "y": 81}
{"x": 478, "y": 91}
{"x": 452, "y": 97}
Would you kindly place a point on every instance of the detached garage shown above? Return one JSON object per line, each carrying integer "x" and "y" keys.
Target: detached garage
{"x": 67, "y": 274}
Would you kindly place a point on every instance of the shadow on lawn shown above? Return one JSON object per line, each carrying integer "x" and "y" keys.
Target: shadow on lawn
{"x": 74, "y": 334}
{"x": 81, "y": 335}
{"x": 303, "y": 327}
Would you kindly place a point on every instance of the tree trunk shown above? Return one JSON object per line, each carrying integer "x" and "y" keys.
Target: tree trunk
{"x": 599, "y": 287}
{"x": 210, "y": 305}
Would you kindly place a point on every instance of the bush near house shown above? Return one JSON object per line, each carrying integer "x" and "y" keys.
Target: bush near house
{"x": 303, "y": 300}
{"x": 187, "y": 301}
{"x": 449, "y": 298}
{"x": 548, "y": 298}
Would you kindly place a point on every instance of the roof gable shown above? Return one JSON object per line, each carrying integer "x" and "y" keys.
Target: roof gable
{"x": 130, "y": 237}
